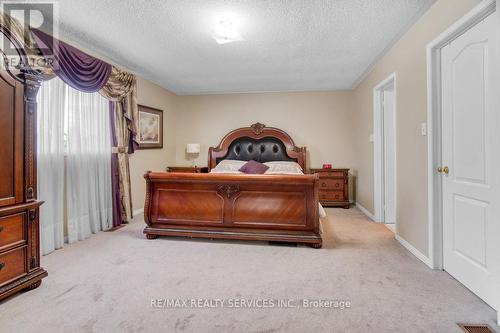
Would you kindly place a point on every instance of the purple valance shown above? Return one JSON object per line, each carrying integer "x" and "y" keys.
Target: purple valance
{"x": 76, "y": 68}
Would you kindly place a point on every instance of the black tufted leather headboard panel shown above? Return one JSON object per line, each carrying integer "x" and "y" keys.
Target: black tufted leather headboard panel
{"x": 257, "y": 142}
{"x": 266, "y": 149}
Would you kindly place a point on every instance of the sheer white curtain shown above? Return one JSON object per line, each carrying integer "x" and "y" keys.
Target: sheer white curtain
{"x": 76, "y": 125}
{"x": 88, "y": 165}
{"x": 51, "y": 164}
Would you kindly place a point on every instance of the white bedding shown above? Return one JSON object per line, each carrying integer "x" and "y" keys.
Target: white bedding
{"x": 275, "y": 168}
{"x": 322, "y": 212}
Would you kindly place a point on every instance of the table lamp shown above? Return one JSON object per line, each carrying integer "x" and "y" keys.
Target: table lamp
{"x": 193, "y": 149}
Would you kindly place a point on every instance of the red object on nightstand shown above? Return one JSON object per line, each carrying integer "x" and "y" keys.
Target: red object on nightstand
{"x": 327, "y": 165}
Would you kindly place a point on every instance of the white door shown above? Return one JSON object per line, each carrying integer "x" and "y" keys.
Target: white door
{"x": 471, "y": 152}
{"x": 389, "y": 129}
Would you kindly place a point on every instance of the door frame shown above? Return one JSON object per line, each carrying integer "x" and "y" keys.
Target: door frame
{"x": 378, "y": 152}
{"x": 434, "y": 140}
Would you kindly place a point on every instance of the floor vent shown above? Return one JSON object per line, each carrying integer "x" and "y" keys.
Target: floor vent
{"x": 472, "y": 328}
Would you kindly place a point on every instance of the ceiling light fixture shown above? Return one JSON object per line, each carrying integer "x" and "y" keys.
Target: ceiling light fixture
{"x": 226, "y": 30}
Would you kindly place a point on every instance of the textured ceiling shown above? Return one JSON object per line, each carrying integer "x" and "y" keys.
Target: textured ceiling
{"x": 288, "y": 45}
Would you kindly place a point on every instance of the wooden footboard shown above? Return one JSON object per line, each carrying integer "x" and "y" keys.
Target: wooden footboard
{"x": 248, "y": 207}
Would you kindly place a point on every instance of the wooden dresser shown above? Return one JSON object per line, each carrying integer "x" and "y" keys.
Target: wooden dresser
{"x": 333, "y": 187}
{"x": 19, "y": 225}
{"x": 188, "y": 169}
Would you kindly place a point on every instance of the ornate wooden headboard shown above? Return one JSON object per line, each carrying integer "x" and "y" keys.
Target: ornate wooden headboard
{"x": 259, "y": 143}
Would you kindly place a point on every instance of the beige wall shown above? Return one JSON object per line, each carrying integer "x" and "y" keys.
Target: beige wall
{"x": 321, "y": 121}
{"x": 408, "y": 60}
{"x": 152, "y": 95}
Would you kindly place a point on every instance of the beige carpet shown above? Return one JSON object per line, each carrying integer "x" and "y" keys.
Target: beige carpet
{"x": 106, "y": 283}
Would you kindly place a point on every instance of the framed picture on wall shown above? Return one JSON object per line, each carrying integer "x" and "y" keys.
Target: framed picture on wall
{"x": 150, "y": 131}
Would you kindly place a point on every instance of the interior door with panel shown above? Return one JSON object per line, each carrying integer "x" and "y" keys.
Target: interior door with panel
{"x": 471, "y": 160}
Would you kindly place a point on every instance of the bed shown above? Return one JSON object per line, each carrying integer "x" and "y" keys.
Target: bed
{"x": 264, "y": 207}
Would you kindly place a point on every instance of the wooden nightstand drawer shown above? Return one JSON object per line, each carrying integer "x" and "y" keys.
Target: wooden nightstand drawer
{"x": 331, "y": 174}
{"x": 12, "y": 230}
{"x": 331, "y": 184}
{"x": 337, "y": 196}
{"x": 12, "y": 264}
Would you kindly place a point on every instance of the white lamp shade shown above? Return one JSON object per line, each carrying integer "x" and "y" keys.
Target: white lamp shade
{"x": 193, "y": 148}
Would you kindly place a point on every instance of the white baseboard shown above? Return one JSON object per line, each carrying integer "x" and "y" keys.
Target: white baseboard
{"x": 391, "y": 227}
{"x": 365, "y": 211}
{"x": 138, "y": 212}
{"x": 414, "y": 251}
{"x": 402, "y": 241}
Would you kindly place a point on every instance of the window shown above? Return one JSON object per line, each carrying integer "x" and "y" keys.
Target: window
{"x": 74, "y": 164}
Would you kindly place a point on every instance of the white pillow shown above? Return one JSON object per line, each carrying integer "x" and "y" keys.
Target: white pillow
{"x": 228, "y": 166}
{"x": 283, "y": 168}
{"x": 226, "y": 171}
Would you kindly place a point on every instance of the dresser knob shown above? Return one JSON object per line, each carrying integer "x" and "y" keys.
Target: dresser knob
{"x": 2, "y": 265}
{"x": 323, "y": 184}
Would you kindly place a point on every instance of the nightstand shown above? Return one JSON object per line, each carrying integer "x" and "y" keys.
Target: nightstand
{"x": 333, "y": 187}
{"x": 187, "y": 169}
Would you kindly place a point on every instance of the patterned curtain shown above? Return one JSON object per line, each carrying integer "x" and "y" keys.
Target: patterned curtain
{"x": 121, "y": 90}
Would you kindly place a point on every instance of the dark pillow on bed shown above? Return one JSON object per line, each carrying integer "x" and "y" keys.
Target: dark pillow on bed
{"x": 254, "y": 167}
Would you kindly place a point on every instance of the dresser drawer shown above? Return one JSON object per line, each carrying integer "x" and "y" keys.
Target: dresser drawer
{"x": 331, "y": 184}
{"x": 12, "y": 230}
{"x": 12, "y": 264}
{"x": 330, "y": 174}
{"x": 331, "y": 196}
